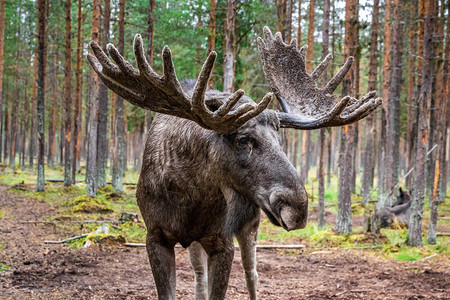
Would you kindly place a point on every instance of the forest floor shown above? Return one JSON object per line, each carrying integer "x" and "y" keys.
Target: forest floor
{"x": 30, "y": 269}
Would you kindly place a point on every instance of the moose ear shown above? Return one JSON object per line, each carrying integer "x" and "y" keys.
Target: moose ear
{"x": 400, "y": 190}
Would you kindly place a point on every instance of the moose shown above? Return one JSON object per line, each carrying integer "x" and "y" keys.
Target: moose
{"x": 398, "y": 214}
{"x": 213, "y": 160}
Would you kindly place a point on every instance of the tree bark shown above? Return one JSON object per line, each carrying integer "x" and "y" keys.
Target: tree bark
{"x": 310, "y": 50}
{"x": 102, "y": 131}
{"x": 68, "y": 99}
{"x": 91, "y": 169}
{"x": 120, "y": 148}
{"x": 41, "y": 94}
{"x": 323, "y": 149}
{"x": 410, "y": 132}
{"x": 395, "y": 87}
{"x": 369, "y": 162}
{"x": 2, "y": 46}
{"x": 344, "y": 217}
{"x": 229, "y": 55}
{"x": 76, "y": 145}
{"x": 212, "y": 35}
{"x": 299, "y": 26}
{"x": 52, "y": 121}
{"x": 417, "y": 205}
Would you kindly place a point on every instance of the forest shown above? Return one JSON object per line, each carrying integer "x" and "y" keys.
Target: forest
{"x": 74, "y": 148}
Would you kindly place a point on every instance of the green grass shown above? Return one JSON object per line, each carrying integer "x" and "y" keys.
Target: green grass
{"x": 3, "y": 267}
{"x": 2, "y": 213}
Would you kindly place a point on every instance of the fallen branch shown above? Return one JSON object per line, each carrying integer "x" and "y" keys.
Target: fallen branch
{"x": 426, "y": 258}
{"x": 236, "y": 246}
{"x": 108, "y": 182}
{"x": 443, "y": 234}
{"x": 68, "y": 239}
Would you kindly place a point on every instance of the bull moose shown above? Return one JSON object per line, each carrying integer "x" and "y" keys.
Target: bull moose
{"x": 213, "y": 160}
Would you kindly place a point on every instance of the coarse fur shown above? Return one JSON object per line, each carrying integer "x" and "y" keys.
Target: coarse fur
{"x": 200, "y": 186}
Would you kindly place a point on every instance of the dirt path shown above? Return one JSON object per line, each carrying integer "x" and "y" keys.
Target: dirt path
{"x": 39, "y": 271}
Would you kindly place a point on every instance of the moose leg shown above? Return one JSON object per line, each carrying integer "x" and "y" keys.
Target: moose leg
{"x": 199, "y": 260}
{"x": 247, "y": 244}
{"x": 220, "y": 257}
{"x": 162, "y": 260}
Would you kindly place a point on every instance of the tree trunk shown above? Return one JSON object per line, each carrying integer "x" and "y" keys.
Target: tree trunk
{"x": 91, "y": 169}
{"x": 369, "y": 162}
{"x": 52, "y": 121}
{"x": 212, "y": 34}
{"x": 281, "y": 17}
{"x": 2, "y": 46}
{"x": 344, "y": 217}
{"x": 445, "y": 121}
{"x": 119, "y": 147}
{"x": 288, "y": 30}
{"x": 395, "y": 84}
{"x": 76, "y": 145}
{"x": 228, "y": 60}
{"x": 68, "y": 99}
{"x": 323, "y": 149}
{"x": 412, "y": 45}
{"x": 41, "y": 93}
{"x": 33, "y": 111}
{"x": 415, "y": 226}
{"x": 299, "y": 26}
{"x": 310, "y": 50}
{"x": 102, "y": 131}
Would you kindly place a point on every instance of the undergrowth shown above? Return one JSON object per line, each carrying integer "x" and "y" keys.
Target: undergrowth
{"x": 74, "y": 207}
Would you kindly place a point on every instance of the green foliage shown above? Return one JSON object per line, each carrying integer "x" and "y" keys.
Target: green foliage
{"x": 2, "y": 213}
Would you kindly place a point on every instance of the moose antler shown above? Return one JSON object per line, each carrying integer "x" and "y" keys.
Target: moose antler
{"x": 306, "y": 106}
{"x": 145, "y": 88}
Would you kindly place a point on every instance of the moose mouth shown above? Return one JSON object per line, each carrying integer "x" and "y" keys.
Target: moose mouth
{"x": 274, "y": 220}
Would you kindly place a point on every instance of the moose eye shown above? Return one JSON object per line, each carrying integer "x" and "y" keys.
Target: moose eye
{"x": 244, "y": 141}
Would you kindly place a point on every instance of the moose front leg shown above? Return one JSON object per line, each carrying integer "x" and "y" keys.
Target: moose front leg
{"x": 199, "y": 261}
{"x": 220, "y": 257}
{"x": 162, "y": 260}
{"x": 247, "y": 238}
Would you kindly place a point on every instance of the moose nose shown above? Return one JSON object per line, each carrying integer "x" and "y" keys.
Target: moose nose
{"x": 292, "y": 218}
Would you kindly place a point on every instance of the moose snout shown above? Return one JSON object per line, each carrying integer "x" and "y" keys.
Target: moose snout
{"x": 292, "y": 218}
{"x": 290, "y": 209}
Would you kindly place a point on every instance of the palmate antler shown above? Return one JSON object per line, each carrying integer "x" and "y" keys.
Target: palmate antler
{"x": 306, "y": 106}
{"x": 145, "y": 88}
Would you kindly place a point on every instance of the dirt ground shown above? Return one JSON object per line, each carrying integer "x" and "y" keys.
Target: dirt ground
{"x": 40, "y": 271}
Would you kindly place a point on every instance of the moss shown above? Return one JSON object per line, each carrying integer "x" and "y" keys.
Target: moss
{"x": 2, "y": 213}
{"x": 86, "y": 204}
{"x": 106, "y": 189}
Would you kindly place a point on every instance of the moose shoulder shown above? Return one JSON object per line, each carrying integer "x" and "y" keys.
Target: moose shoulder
{"x": 212, "y": 160}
